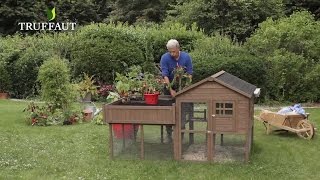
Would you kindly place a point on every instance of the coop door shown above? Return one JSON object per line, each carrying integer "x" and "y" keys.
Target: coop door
{"x": 194, "y": 127}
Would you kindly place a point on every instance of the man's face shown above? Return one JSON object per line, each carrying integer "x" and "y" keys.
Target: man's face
{"x": 174, "y": 52}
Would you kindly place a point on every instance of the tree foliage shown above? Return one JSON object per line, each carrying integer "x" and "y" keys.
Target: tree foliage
{"x": 291, "y": 47}
{"x": 237, "y": 19}
{"x": 54, "y": 77}
{"x": 139, "y": 11}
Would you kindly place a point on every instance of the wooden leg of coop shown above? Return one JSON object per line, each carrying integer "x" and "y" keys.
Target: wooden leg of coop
{"x": 221, "y": 139}
{"x": 110, "y": 141}
{"x": 161, "y": 134}
{"x": 209, "y": 145}
{"x": 191, "y": 135}
{"x": 123, "y": 139}
{"x": 142, "y": 142}
{"x": 176, "y": 143}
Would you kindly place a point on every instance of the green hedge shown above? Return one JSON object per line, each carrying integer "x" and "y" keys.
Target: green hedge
{"x": 217, "y": 53}
{"x": 291, "y": 46}
{"x": 24, "y": 56}
{"x": 101, "y": 50}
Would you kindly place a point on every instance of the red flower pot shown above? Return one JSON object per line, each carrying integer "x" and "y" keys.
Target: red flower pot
{"x": 151, "y": 98}
{"x": 4, "y": 95}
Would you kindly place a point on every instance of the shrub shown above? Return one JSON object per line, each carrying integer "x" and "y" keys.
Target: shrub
{"x": 299, "y": 34}
{"x": 217, "y": 53}
{"x": 101, "y": 49}
{"x": 56, "y": 88}
{"x": 5, "y": 82}
{"x": 287, "y": 79}
{"x": 291, "y": 46}
{"x": 24, "y": 56}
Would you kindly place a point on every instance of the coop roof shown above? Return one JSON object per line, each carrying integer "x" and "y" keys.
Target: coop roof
{"x": 228, "y": 80}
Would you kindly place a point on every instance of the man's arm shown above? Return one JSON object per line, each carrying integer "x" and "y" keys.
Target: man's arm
{"x": 172, "y": 92}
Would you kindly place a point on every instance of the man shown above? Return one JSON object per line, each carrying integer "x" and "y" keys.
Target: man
{"x": 169, "y": 61}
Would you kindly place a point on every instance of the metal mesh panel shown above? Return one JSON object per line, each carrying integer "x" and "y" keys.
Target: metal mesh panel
{"x": 125, "y": 145}
{"x": 156, "y": 148}
{"x": 195, "y": 149}
{"x": 194, "y": 116}
{"x": 229, "y": 147}
{"x": 193, "y": 131}
{"x": 134, "y": 144}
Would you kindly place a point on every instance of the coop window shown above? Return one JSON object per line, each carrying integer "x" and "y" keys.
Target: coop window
{"x": 224, "y": 108}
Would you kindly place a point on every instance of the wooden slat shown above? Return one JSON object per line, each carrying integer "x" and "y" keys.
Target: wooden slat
{"x": 194, "y": 131}
{"x": 140, "y": 114}
{"x": 142, "y": 141}
{"x": 210, "y": 85}
{"x": 191, "y": 96}
{"x": 110, "y": 141}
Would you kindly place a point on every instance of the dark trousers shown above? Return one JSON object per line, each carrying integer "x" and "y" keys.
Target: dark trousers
{"x": 169, "y": 129}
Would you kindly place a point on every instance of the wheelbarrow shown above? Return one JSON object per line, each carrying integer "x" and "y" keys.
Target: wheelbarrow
{"x": 293, "y": 122}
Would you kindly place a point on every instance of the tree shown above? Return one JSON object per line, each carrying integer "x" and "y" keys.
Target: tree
{"x": 132, "y": 11}
{"x": 12, "y": 12}
{"x": 291, "y": 48}
{"x": 311, "y": 5}
{"x": 237, "y": 19}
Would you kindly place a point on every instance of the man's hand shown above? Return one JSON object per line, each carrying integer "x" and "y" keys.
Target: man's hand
{"x": 173, "y": 92}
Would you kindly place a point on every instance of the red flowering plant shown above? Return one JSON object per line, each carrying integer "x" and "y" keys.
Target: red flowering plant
{"x": 46, "y": 114}
{"x": 105, "y": 89}
{"x": 38, "y": 114}
{"x": 152, "y": 84}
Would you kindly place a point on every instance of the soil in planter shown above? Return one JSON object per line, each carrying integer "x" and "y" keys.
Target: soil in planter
{"x": 161, "y": 102}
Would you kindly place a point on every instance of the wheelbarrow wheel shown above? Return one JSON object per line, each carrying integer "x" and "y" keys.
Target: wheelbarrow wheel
{"x": 309, "y": 133}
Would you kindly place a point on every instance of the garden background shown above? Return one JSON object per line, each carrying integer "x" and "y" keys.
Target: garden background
{"x": 272, "y": 44}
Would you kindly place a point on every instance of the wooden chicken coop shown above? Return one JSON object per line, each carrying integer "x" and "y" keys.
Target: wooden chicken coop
{"x": 210, "y": 118}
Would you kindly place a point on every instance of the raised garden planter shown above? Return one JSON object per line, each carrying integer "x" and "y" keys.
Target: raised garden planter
{"x": 138, "y": 112}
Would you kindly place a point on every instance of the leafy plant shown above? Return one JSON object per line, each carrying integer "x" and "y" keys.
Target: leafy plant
{"x": 129, "y": 84}
{"x": 113, "y": 96}
{"x": 56, "y": 88}
{"x": 39, "y": 115}
{"x": 5, "y": 82}
{"x": 104, "y": 90}
{"x": 98, "y": 120}
{"x": 181, "y": 78}
{"x": 87, "y": 85}
{"x": 152, "y": 84}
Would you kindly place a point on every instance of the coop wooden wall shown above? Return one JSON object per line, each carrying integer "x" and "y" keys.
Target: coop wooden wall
{"x": 213, "y": 92}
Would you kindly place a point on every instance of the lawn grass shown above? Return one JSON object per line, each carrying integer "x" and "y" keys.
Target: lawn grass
{"x": 81, "y": 152}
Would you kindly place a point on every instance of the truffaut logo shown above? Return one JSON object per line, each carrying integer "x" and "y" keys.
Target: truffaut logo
{"x": 51, "y": 25}
{"x": 51, "y": 14}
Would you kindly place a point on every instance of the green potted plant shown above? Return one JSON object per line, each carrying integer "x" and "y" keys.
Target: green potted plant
{"x": 5, "y": 82}
{"x": 181, "y": 79}
{"x": 87, "y": 87}
{"x": 128, "y": 85}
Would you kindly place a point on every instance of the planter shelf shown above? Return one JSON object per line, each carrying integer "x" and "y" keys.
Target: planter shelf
{"x": 138, "y": 112}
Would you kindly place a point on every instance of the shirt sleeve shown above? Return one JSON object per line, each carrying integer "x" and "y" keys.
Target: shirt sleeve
{"x": 189, "y": 66}
{"x": 164, "y": 67}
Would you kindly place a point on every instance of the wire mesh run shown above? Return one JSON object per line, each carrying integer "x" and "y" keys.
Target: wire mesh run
{"x": 142, "y": 142}
{"x": 199, "y": 141}
{"x": 229, "y": 147}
